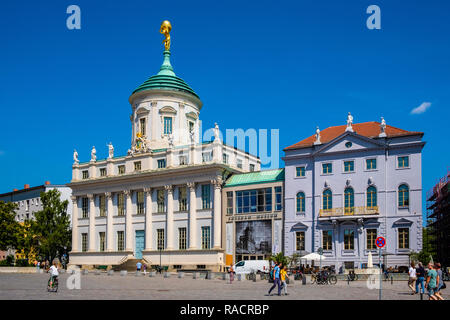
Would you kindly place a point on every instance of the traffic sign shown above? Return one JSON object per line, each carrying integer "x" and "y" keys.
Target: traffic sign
{"x": 380, "y": 242}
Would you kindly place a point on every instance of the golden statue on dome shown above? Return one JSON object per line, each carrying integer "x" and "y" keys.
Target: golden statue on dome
{"x": 165, "y": 30}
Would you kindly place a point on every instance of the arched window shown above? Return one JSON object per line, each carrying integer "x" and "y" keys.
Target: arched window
{"x": 300, "y": 202}
{"x": 371, "y": 197}
{"x": 403, "y": 196}
{"x": 327, "y": 200}
{"x": 349, "y": 200}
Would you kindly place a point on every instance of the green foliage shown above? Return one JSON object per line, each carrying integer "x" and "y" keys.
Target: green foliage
{"x": 9, "y": 261}
{"x": 9, "y": 227}
{"x": 23, "y": 263}
{"x": 280, "y": 257}
{"x": 51, "y": 228}
{"x": 27, "y": 240}
{"x": 427, "y": 251}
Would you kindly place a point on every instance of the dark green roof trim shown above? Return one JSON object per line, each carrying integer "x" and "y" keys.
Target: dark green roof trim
{"x": 265, "y": 176}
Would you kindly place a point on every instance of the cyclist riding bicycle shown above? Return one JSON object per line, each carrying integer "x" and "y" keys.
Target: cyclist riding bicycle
{"x": 53, "y": 273}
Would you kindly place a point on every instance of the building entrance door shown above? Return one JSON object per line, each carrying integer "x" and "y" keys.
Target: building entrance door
{"x": 140, "y": 242}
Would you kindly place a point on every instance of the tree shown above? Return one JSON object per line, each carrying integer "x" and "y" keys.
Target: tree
{"x": 279, "y": 257}
{"x": 9, "y": 227}
{"x": 27, "y": 241}
{"x": 51, "y": 227}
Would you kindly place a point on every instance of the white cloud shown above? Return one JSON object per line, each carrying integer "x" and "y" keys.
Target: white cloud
{"x": 422, "y": 108}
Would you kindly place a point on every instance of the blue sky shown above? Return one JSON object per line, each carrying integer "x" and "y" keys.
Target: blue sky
{"x": 287, "y": 65}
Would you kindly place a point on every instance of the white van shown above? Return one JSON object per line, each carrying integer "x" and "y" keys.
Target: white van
{"x": 249, "y": 266}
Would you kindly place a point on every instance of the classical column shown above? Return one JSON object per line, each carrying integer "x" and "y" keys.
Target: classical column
{"x": 91, "y": 222}
{"x": 109, "y": 222}
{"x": 128, "y": 222}
{"x": 192, "y": 216}
{"x": 217, "y": 215}
{"x": 75, "y": 215}
{"x": 148, "y": 218}
{"x": 169, "y": 217}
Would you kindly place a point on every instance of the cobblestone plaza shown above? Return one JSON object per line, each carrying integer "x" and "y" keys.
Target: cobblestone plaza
{"x": 33, "y": 286}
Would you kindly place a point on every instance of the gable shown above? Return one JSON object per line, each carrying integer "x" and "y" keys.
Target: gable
{"x": 349, "y": 142}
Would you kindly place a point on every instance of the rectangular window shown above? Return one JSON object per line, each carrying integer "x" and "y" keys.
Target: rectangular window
{"x": 403, "y": 238}
{"x": 85, "y": 207}
{"x": 225, "y": 158}
{"x": 371, "y": 237}
{"x": 252, "y": 167}
{"x": 167, "y": 125}
{"x": 327, "y": 240}
{"x": 182, "y": 199}
{"x": 183, "y": 160}
{"x": 120, "y": 204}
{"x": 299, "y": 241}
{"x": 191, "y": 126}
{"x": 160, "y": 239}
{"x": 140, "y": 202}
{"x": 206, "y": 196}
{"x": 300, "y": 171}
{"x": 102, "y": 205}
{"x": 137, "y": 166}
{"x": 278, "y": 198}
{"x": 84, "y": 242}
{"x": 327, "y": 168}
{"x": 229, "y": 202}
{"x": 206, "y": 156}
{"x": 206, "y": 238}
{"x": 102, "y": 238}
{"x": 121, "y": 169}
{"x": 403, "y": 162}
{"x": 120, "y": 241}
{"x": 239, "y": 163}
{"x": 349, "y": 239}
{"x": 102, "y": 172}
{"x": 371, "y": 164}
{"x": 182, "y": 238}
{"x": 142, "y": 126}
{"x": 161, "y": 163}
{"x": 85, "y": 174}
{"x": 161, "y": 201}
{"x": 349, "y": 166}
{"x": 257, "y": 200}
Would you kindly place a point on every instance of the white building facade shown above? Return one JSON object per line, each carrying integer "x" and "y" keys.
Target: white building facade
{"x": 162, "y": 201}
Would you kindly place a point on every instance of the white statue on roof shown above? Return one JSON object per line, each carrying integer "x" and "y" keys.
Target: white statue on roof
{"x": 216, "y": 132}
{"x": 110, "y": 151}
{"x": 75, "y": 157}
{"x": 93, "y": 154}
{"x": 382, "y": 128}
{"x": 317, "y": 136}
{"x": 349, "y": 122}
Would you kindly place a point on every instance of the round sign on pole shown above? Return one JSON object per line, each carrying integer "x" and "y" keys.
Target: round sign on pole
{"x": 380, "y": 242}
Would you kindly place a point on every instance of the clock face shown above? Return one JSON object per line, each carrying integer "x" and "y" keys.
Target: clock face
{"x": 348, "y": 144}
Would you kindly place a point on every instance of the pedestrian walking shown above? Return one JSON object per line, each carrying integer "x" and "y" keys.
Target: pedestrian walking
{"x": 420, "y": 275}
{"x": 145, "y": 269}
{"x": 431, "y": 282}
{"x": 231, "y": 274}
{"x": 440, "y": 281}
{"x": 284, "y": 275}
{"x": 138, "y": 266}
{"x": 412, "y": 277}
{"x": 276, "y": 279}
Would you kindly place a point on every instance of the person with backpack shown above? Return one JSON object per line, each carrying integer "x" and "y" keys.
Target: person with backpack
{"x": 276, "y": 279}
{"x": 420, "y": 275}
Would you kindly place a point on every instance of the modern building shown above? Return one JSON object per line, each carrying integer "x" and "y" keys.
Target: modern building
{"x": 253, "y": 215}
{"x": 162, "y": 201}
{"x": 438, "y": 207}
{"x": 349, "y": 184}
{"x": 28, "y": 201}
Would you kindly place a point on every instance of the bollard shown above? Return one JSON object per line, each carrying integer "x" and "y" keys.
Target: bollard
{"x": 110, "y": 272}
{"x": 421, "y": 296}
{"x": 392, "y": 280}
{"x": 195, "y": 275}
{"x": 239, "y": 277}
{"x": 123, "y": 273}
{"x": 152, "y": 274}
{"x": 303, "y": 280}
{"x": 180, "y": 275}
{"x": 166, "y": 275}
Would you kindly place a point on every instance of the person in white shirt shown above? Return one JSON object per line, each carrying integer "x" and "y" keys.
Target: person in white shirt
{"x": 53, "y": 272}
{"x": 412, "y": 277}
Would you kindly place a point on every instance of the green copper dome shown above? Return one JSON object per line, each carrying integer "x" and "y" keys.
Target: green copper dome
{"x": 166, "y": 79}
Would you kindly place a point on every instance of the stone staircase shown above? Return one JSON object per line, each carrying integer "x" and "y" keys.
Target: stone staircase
{"x": 130, "y": 265}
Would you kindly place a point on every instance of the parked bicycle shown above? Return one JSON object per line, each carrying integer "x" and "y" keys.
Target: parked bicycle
{"x": 352, "y": 276}
{"x": 52, "y": 285}
{"x": 323, "y": 277}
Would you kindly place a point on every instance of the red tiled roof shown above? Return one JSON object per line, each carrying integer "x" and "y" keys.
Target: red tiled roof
{"x": 366, "y": 129}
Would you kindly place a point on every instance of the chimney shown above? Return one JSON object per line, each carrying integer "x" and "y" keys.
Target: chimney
{"x": 26, "y": 186}
{"x": 47, "y": 183}
{"x": 15, "y": 189}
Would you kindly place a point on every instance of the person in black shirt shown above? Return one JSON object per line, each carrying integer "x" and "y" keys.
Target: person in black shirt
{"x": 420, "y": 274}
